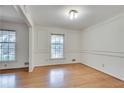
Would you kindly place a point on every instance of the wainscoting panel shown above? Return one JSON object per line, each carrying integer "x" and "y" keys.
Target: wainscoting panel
{"x": 110, "y": 62}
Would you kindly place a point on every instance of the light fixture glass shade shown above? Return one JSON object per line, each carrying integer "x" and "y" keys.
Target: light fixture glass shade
{"x": 73, "y": 14}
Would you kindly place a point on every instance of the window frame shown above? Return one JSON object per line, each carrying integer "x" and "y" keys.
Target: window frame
{"x": 9, "y": 61}
{"x": 63, "y": 46}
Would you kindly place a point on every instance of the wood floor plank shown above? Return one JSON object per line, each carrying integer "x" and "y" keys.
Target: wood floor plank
{"x": 58, "y": 76}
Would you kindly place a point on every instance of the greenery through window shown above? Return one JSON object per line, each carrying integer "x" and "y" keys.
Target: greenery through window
{"x": 7, "y": 45}
{"x": 57, "y": 45}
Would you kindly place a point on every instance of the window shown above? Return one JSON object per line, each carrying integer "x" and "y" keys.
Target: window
{"x": 7, "y": 45}
{"x": 57, "y": 46}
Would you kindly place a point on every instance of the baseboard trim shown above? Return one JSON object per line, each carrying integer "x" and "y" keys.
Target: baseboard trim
{"x": 56, "y": 65}
{"x": 10, "y": 69}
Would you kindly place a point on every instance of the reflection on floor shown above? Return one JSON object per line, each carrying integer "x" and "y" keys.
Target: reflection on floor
{"x": 7, "y": 80}
{"x": 69, "y": 75}
{"x": 56, "y": 77}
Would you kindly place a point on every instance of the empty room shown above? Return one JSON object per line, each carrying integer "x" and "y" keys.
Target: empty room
{"x": 61, "y": 46}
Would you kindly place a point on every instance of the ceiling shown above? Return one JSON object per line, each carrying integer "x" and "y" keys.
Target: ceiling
{"x": 9, "y": 14}
{"x": 57, "y": 15}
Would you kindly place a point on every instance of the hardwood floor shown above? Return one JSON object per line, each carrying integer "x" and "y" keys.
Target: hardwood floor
{"x": 66, "y": 76}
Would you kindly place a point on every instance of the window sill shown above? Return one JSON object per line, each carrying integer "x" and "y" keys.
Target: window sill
{"x": 57, "y": 58}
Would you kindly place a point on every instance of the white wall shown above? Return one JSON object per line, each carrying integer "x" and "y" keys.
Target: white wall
{"x": 103, "y": 46}
{"x": 22, "y": 45}
{"x": 25, "y": 12}
{"x": 41, "y": 51}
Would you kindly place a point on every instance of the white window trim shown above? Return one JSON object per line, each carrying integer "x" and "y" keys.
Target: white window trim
{"x": 15, "y": 47}
{"x": 63, "y": 46}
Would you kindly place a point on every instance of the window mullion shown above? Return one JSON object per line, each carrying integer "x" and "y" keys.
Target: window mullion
{"x": 1, "y": 52}
{"x": 8, "y": 42}
{"x": 8, "y": 46}
{"x": 57, "y": 46}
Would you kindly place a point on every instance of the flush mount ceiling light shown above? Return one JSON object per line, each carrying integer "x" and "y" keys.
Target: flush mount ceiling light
{"x": 73, "y": 14}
